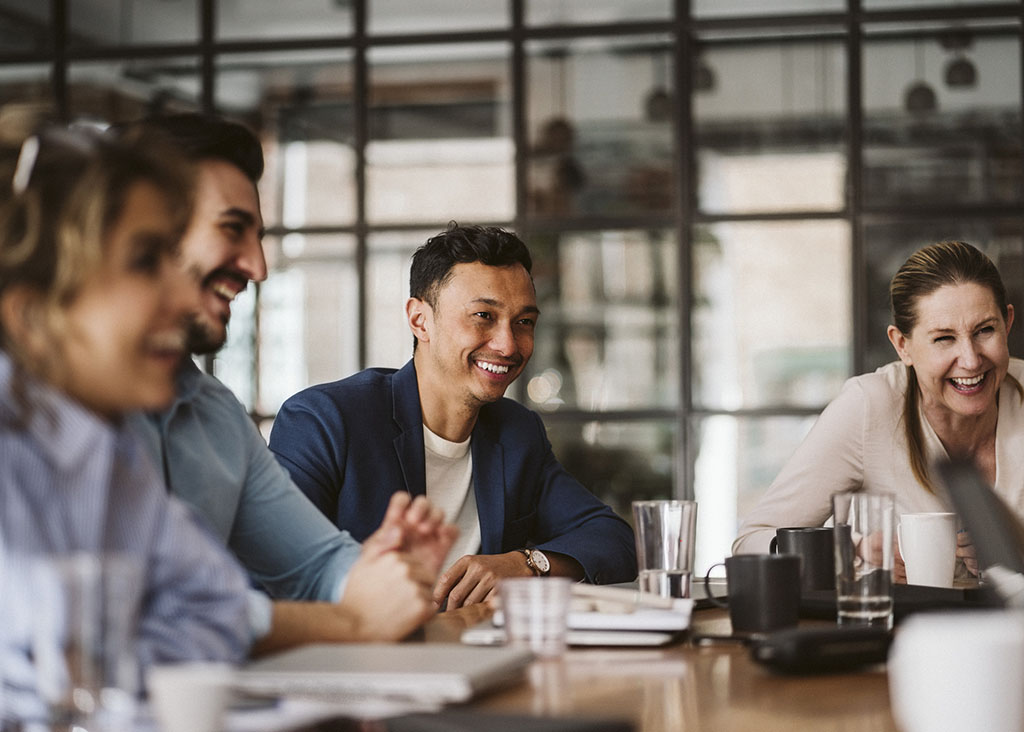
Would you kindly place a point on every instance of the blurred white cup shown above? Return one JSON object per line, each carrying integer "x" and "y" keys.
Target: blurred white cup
{"x": 958, "y": 671}
{"x": 190, "y": 697}
{"x": 536, "y": 611}
{"x": 927, "y": 543}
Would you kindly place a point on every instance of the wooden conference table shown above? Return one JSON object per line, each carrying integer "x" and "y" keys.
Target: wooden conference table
{"x": 685, "y": 687}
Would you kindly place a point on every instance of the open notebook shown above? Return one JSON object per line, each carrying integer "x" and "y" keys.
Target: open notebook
{"x": 606, "y": 615}
{"x": 433, "y": 672}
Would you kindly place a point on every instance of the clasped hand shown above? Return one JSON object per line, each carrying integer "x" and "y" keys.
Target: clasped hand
{"x": 389, "y": 587}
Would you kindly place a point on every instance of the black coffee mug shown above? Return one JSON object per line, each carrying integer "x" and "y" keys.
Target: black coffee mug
{"x": 763, "y": 591}
{"x": 815, "y": 547}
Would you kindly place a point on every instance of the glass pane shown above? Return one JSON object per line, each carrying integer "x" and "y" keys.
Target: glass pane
{"x": 942, "y": 120}
{"x": 599, "y": 116}
{"x": 608, "y": 333}
{"x": 26, "y": 95}
{"x": 771, "y": 317}
{"x": 564, "y": 12}
{"x": 387, "y": 289}
{"x": 121, "y": 22}
{"x": 737, "y": 459}
{"x": 118, "y": 91}
{"x": 887, "y": 246}
{"x": 308, "y": 322}
{"x": 772, "y": 141}
{"x": 254, "y": 19}
{"x": 440, "y": 135}
{"x": 308, "y": 328}
{"x": 724, "y": 8}
{"x": 425, "y": 16}
{"x": 235, "y": 363}
{"x": 25, "y": 26}
{"x": 620, "y": 462}
{"x": 300, "y": 104}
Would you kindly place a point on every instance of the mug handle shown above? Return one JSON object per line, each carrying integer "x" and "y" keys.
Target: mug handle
{"x": 773, "y": 547}
{"x": 714, "y": 600}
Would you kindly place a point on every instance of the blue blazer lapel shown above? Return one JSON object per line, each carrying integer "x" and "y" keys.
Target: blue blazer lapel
{"x": 409, "y": 419}
{"x": 489, "y": 488}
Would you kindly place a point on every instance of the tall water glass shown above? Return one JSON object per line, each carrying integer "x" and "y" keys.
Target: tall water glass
{"x": 864, "y": 554}
{"x": 83, "y": 637}
{"x": 665, "y": 532}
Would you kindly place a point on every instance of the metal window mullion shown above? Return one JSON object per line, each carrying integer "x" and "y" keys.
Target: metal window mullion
{"x": 207, "y": 14}
{"x": 59, "y": 67}
{"x": 685, "y": 207}
{"x": 519, "y": 101}
{"x": 360, "y": 135}
{"x": 855, "y": 168}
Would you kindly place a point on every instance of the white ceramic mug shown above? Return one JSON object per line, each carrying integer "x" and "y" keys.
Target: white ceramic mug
{"x": 190, "y": 697}
{"x": 958, "y": 671}
{"x": 927, "y": 543}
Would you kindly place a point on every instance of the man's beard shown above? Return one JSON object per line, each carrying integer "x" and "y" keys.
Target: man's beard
{"x": 201, "y": 340}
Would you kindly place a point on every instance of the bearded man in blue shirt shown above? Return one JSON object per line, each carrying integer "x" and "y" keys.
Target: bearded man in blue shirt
{"x": 326, "y": 586}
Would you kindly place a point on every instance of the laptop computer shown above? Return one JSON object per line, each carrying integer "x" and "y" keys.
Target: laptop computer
{"x": 430, "y": 672}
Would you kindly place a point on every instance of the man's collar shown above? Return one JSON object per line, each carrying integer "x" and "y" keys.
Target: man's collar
{"x": 187, "y": 380}
{"x": 406, "y": 410}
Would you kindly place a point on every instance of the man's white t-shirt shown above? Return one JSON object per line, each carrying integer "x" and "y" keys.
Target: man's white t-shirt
{"x": 449, "y": 473}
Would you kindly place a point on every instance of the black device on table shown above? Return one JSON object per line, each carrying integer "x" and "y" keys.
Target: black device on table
{"x": 822, "y": 649}
{"x": 471, "y": 720}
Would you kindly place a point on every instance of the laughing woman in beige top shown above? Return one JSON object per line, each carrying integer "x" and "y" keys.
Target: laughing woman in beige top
{"x": 957, "y": 393}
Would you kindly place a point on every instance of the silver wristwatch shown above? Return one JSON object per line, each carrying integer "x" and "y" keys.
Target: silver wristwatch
{"x": 537, "y": 562}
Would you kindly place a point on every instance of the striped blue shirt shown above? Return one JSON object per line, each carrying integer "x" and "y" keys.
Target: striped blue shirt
{"x": 71, "y": 483}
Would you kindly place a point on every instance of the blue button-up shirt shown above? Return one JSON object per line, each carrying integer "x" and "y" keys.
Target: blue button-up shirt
{"x": 71, "y": 482}
{"x": 216, "y": 461}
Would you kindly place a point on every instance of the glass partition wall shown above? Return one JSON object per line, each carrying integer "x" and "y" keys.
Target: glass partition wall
{"x": 715, "y": 192}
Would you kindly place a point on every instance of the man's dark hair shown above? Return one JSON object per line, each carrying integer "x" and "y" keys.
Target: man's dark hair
{"x": 207, "y": 137}
{"x": 432, "y": 263}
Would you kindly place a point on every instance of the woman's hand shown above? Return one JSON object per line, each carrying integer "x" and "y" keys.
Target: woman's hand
{"x": 871, "y": 551}
{"x": 965, "y": 551}
{"x": 899, "y": 567}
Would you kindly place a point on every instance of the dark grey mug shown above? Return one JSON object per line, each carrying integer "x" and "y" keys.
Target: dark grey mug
{"x": 763, "y": 591}
{"x": 814, "y": 545}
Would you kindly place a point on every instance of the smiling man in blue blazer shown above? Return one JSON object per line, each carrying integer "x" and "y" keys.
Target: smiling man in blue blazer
{"x": 440, "y": 425}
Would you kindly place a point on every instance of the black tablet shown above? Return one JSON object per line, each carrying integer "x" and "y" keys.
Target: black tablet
{"x": 995, "y": 529}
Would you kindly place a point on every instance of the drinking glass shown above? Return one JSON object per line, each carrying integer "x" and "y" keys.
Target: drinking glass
{"x": 864, "y": 555}
{"x": 83, "y": 637}
{"x": 536, "y": 611}
{"x": 665, "y": 533}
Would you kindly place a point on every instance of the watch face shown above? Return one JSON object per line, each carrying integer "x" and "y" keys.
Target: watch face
{"x": 541, "y": 561}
